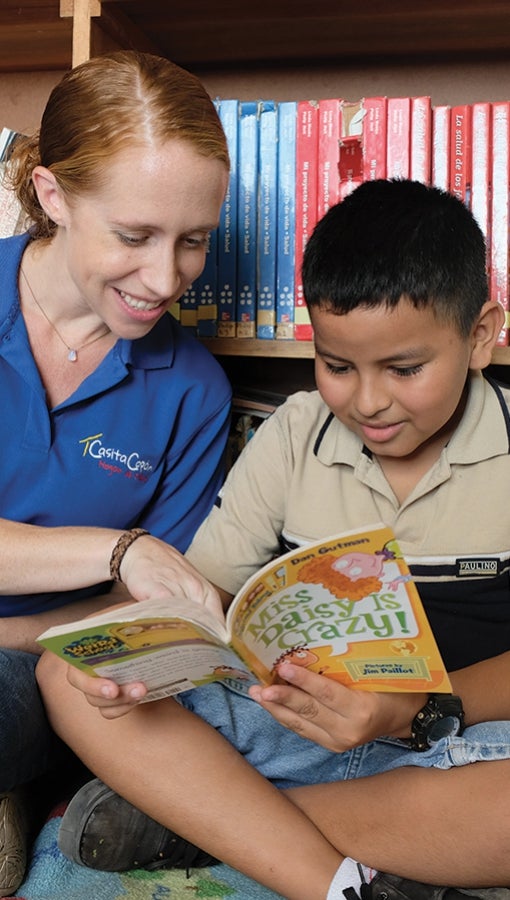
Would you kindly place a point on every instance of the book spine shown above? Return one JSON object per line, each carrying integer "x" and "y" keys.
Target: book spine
{"x": 306, "y": 205}
{"x": 247, "y": 219}
{"x": 207, "y": 286}
{"x": 328, "y": 186}
{"x": 480, "y": 168}
{"x": 286, "y": 229}
{"x": 227, "y": 231}
{"x": 421, "y": 139}
{"x": 267, "y": 220}
{"x": 374, "y": 137}
{"x": 350, "y": 162}
{"x": 460, "y": 152}
{"x": 441, "y": 131}
{"x": 7, "y": 139}
{"x": 500, "y": 211}
{"x": 399, "y": 137}
{"x": 188, "y": 308}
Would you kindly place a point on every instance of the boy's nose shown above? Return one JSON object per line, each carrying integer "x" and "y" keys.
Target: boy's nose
{"x": 371, "y": 397}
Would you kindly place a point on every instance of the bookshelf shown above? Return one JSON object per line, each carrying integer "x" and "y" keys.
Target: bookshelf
{"x": 452, "y": 50}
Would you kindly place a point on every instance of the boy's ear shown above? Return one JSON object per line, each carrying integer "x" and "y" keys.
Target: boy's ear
{"x": 49, "y": 194}
{"x": 485, "y": 334}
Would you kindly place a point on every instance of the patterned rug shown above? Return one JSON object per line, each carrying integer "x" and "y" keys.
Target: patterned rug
{"x": 51, "y": 876}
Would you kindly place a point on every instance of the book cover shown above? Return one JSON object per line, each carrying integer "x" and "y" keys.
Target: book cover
{"x": 286, "y": 226}
{"x": 248, "y": 137}
{"x": 328, "y": 181}
{"x": 421, "y": 139}
{"x": 441, "y": 131}
{"x": 480, "y": 167}
{"x": 345, "y": 607}
{"x": 398, "y": 150}
{"x": 306, "y": 204}
{"x": 460, "y": 152}
{"x": 227, "y": 230}
{"x": 267, "y": 219}
{"x": 500, "y": 219}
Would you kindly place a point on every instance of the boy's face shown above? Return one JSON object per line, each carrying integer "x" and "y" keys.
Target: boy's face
{"x": 395, "y": 377}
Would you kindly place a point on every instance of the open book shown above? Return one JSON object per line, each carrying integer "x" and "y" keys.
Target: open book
{"x": 345, "y": 607}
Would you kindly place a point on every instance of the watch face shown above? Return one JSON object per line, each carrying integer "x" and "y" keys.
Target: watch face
{"x": 444, "y": 728}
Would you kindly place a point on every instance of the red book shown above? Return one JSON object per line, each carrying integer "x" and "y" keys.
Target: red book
{"x": 480, "y": 168}
{"x": 421, "y": 139}
{"x": 328, "y": 188}
{"x": 398, "y": 161}
{"x": 460, "y": 152}
{"x": 441, "y": 131}
{"x": 350, "y": 163}
{"x": 307, "y": 134}
{"x": 374, "y": 137}
{"x": 500, "y": 210}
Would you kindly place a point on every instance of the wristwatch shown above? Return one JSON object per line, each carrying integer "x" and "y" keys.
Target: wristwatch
{"x": 442, "y": 715}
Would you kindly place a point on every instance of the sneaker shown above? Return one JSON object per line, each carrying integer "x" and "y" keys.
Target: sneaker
{"x": 391, "y": 887}
{"x": 13, "y": 843}
{"x": 103, "y": 831}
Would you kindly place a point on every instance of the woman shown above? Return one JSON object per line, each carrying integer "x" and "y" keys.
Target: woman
{"x": 114, "y": 419}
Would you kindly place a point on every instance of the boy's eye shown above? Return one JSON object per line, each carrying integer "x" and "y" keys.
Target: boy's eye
{"x": 336, "y": 369}
{"x": 407, "y": 371}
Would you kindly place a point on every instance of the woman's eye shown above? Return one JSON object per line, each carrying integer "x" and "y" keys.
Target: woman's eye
{"x": 131, "y": 240}
{"x": 202, "y": 241}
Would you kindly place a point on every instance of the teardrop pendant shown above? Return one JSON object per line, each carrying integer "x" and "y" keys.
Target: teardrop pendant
{"x": 72, "y": 356}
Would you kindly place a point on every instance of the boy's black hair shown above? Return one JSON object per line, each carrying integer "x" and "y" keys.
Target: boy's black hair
{"x": 398, "y": 238}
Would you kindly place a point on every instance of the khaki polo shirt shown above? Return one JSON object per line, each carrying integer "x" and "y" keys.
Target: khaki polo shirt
{"x": 304, "y": 476}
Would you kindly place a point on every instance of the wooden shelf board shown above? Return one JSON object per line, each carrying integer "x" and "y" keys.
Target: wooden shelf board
{"x": 253, "y": 347}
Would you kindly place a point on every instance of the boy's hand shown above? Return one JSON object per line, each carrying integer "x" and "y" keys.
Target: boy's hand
{"x": 332, "y": 715}
{"x": 112, "y": 700}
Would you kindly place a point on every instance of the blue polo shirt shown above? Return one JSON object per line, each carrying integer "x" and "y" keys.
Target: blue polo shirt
{"x": 139, "y": 443}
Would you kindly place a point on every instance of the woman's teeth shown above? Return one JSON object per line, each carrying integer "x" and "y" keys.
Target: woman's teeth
{"x": 137, "y": 304}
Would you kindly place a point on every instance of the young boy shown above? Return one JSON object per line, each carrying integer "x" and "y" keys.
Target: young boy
{"x": 404, "y": 429}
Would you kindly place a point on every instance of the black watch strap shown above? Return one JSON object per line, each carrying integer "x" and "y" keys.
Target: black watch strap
{"x": 437, "y": 708}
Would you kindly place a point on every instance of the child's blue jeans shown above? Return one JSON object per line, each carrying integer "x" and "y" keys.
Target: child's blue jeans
{"x": 289, "y": 760}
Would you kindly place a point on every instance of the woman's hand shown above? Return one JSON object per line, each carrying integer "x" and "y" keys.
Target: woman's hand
{"x": 153, "y": 570}
{"x": 332, "y": 715}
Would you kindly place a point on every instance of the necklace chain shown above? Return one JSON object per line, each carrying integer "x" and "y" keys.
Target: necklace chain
{"x": 72, "y": 352}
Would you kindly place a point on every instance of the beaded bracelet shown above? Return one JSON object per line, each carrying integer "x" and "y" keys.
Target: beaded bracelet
{"x": 120, "y": 548}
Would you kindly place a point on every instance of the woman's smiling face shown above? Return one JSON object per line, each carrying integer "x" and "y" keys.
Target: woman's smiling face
{"x": 133, "y": 246}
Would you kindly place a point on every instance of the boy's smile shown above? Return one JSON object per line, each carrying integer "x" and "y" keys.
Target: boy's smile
{"x": 395, "y": 377}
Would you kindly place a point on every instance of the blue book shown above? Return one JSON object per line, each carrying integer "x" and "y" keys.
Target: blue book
{"x": 206, "y": 289}
{"x": 247, "y": 219}
{"x": 267, "y": 219}
{"x": 227, "y": 231}
{"x": 286, "y": 229}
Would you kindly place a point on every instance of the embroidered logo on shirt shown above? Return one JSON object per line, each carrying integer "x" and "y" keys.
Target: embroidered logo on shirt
{"x": 113, "y": 459}
{"x": 483, "y": 566}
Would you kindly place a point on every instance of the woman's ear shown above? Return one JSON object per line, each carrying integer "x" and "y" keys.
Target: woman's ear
{"x": 49, "y": 194}
{"x": 485, "y": 334}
